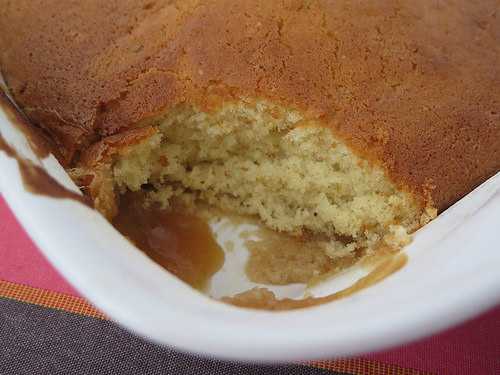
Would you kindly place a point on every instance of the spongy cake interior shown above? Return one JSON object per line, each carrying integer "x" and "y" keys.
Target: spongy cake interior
{"x": 260, "y": 159}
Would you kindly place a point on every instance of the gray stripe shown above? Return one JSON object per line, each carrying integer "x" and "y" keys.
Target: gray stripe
{"x": 38, "y": 340}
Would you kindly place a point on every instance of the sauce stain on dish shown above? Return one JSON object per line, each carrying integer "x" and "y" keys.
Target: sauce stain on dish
{"x": 181, "y": 243}
{"x": 36, "y": 180}
{"x": 34, "y": 136}
{"x": 5, "y": 147}
{"x": 264, "y": 299}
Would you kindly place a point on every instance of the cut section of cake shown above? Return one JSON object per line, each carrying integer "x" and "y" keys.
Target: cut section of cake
{"x": 255, "y": 158}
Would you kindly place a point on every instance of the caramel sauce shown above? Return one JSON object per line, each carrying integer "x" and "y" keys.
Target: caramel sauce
{"x": 37, "y": 141}
{"x": 264, "y": 299}
{"x": 5, "y": 147}
{"x": 181, "y": 243}
{"x": 36, "y": 180}
{"x": 277, "y": 258}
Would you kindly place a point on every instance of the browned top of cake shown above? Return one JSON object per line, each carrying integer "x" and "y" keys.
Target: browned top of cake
{"x": 411, "y": 84}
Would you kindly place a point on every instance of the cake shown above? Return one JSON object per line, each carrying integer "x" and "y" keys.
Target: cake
{"x": 351, "y": 122}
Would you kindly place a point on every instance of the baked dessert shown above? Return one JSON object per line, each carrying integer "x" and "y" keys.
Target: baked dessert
{"x": 350, "y": 122}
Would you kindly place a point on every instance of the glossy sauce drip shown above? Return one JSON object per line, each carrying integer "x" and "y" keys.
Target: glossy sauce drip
{"x": 37, "y": 181}
{"x": 181, "y": 243}
{"x": 38, "y": 143}
{"x": 5, "y": 147}
{"x": 264, "y": 299}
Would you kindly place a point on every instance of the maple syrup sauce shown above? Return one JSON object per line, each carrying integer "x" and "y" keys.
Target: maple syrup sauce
{"x": 181, "y": 243}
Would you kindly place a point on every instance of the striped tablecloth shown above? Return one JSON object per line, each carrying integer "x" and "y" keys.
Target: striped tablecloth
{"x": 46, "y": 328}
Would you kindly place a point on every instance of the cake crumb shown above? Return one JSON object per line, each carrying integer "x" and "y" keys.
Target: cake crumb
{"x": 281, "y": 259}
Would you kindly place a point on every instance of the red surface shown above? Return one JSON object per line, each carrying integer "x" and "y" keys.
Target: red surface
{"x": 20, "y": 260}
{"x": 473, "y": 348}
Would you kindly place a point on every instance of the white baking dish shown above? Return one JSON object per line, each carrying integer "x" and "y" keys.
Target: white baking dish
{"x": 453, "y": 273}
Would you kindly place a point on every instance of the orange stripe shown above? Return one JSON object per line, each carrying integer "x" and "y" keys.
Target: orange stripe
{"x": 77, "y": 305}
{"x": 47, "y": 298}
{"x": 360, "y": 366}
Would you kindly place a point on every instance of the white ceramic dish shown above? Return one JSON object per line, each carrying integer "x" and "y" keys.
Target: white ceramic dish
{"x": 452, "y": 275}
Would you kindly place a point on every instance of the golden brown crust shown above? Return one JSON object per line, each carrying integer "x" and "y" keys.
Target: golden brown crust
{"x": 410, "y": 84}
{"x": 101, "y": 151}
